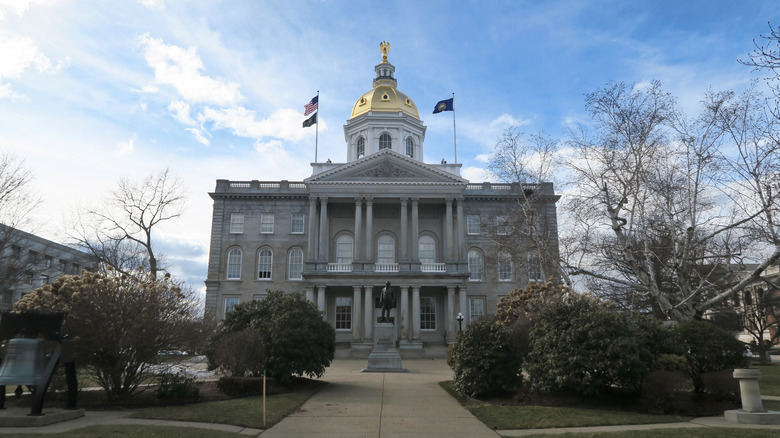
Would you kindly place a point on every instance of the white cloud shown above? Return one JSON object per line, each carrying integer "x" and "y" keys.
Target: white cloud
{"x": 507, "y": 121}
{"x": 20, "y": 6}
{"x": 181, "y": 112}
{"x": 152, "y": 4}
{"x": 482, "y": 158}
{"x": 200, "y": 136}
{"x": 284, "y": 123}
{"x": 180, "y": 68}
{"x": 18, "y": 54}
{"x": 474, "y": 174}
{"x": 125, "y": 147}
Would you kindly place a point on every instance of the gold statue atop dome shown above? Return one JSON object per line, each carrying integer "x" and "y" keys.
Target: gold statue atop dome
{"x": 384, "y": 47}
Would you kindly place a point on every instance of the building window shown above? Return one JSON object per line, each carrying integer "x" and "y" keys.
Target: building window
{"x": 343, "y": 313}
{"x": 28, "y": 278}
{"x": 296, "y": 223}
{"x": 427, "y": 249}
{"x": 344, "y": 251}
{"x": 361, "y": 147}
{"x": 63, "y": 265}
{"x": 76, "y": 268}
{"x": 16, "y": 252}
{"x": 504, "y": 266}
{"x": 385, "y": 249}
{"x": 267, "y": 223}
{"x": 427, "y": 313}
{"x": 265, "y": 262}
{"x": 47, "y": 260}
{"x": 472, "y": 224}
{"x": 234, "y": 264}
{"x": 231, "y": 303}
{"x": 44, "y": 279}
{"x": 32, "y": 256}
{"x": 385, "y": 142}
{"x": 476, "y": 266}
{"x": 296, "y": 265}
{"x": 410, "y": 147}
{"x": 476, "y": 308}
{"x": 236, "y": 223}
{"x": 534, "y": 268}
{"x": 502, "y": 225}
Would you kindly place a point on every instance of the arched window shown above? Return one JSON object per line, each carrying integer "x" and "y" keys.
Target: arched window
{"x": 385, "y": 249}
{"x": 344, "y": 250}
{"x": 534, "y": 269}
{"x": 410, "y": 147}
{"x": 295, "y": 265}
{"x": 361, "y": 147}
{"x": 265, "y": 261}
{"x": 504, "y": 266}
{"x": 234, "y": 264}
{"x": 427, "y": 249}
{"x": 476, "y": 265}
{"x": 384, "y": 141}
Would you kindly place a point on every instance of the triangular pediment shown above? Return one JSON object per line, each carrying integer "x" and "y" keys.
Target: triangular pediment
{"x": 386, "y": 166}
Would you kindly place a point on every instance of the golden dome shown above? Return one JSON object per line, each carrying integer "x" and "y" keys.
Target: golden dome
{"x": 387, "y": 99}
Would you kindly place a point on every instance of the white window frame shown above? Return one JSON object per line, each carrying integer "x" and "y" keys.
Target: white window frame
{"x": 297, "y": 223}
{"x": 295, "y": 264}
{"x": 360, "y": 149}
{"x": 266, "y": 223}
{"x": 502, "y": 225}
{"x": 265, "y": 264}
{"x": 234, "y": 260}
{"x": 230, "y": 304}
{"x": 426, "y": 249}
{"x": 476, "y": 308}
{"x": 505, "y": 267}
{"x": 343, "y": 320}
{"x": 385, "y": 141}
{"x": 237, "y": 223}
{"x": 473, "y": 224}
{"x": 476, "y": 262}
{"x": 345, "y": 249}
{"x": 409, "y": 147}
{"x": 534, "y": 269}
{"x": 385, "y": 251}
{"x": 424, "y": 310}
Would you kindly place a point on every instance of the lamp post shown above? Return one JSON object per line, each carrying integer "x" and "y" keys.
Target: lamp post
{"x": 460, "y": 321}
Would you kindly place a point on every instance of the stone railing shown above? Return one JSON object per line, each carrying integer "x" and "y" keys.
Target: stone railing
{"x": 433, "y": 267}
{"x": 339, "y": 267}
{"x": 386, "y": 267}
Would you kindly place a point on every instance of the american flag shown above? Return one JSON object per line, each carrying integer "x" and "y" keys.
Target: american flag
{"x": 312, "y": 105}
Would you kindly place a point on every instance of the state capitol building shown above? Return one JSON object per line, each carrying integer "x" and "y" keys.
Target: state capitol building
{"x": 383, "y": 215}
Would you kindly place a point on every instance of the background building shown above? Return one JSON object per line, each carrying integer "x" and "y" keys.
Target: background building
{"x": 28, "y": 262}
{"x": 384, "y": 215}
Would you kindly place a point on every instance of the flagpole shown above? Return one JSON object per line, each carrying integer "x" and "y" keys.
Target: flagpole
{"x": 317, "y": 131}
{"x": 454, "y": 132}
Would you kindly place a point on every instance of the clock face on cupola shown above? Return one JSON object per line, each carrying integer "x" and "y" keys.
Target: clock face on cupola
{"x": 384, "y": 118}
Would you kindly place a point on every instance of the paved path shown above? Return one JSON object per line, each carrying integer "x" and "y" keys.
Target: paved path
{"x": 382, "y": 405}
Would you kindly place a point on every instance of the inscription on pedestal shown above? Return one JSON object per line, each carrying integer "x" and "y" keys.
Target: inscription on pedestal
{"x": 385, "y": 356}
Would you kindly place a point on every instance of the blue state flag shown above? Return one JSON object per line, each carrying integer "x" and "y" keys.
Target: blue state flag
{"x": 444, "y": 105}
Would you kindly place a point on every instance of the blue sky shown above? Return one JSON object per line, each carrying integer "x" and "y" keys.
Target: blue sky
{"x": 94, "y": 90}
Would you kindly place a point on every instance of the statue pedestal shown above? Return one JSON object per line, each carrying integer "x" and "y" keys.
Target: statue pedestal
{"x": 752, "y": 411}
{"x": 384, "y": 358}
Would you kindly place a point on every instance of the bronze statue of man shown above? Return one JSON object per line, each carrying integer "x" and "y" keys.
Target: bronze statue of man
{"x": 387, "y": 298}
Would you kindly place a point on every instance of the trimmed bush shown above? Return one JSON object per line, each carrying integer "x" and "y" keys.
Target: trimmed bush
{"x": 240, "y": 353}
{"x": 177, "y": 386}
{"x": 585, "y": 346}
{"x": 487, "y": 357}
{"x": 240, "y": 386}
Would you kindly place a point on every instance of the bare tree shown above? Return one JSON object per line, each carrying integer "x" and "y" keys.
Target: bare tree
{"x": 17, "y": 202}
{"x": 523, "y": 228}
{"x": 766, "y": 56}
{"x": 119, "y": 233}
{"x": 663, "y": 199}
{"x": 759, "y": 315}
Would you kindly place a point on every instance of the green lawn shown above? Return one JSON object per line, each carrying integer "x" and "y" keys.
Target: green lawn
{"x": 127, "y": 431}
{"x": 699, "y": 432}
{"x": 769, "y": 384}
{"x": 246, "y": 412}
{"x": 536, "y": 417}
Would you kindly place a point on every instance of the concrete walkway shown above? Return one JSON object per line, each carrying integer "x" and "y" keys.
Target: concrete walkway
{"x": 383, "y": 405}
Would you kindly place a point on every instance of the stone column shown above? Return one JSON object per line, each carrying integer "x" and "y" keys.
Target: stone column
{"x": 321, "y": 298}
{"x": 416, "y": 313}
{"x": 356, "y": 313}
{"x": 451, "y": 314}
{"x": 312, "y": 251}
{"x": 368, "y": 321}
{"x": 310, "y": 293}
{"x": 415, "y": 231}
{"x": 449, "y": 229}
{"x": 358, "y": 227}
{"x": 323, "y": 250}
{"x": 463, "y": 305}
{"x": 461, "y": 231}
{"x": 403, "y": 313}
{"x": 369, "y": 255}
{"x": 404, "y": 237}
